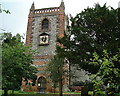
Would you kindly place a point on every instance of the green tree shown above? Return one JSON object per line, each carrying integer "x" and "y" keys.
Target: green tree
{"x": 7, "y": 12}
{"x": 93, "y": 30}
{"x": 16, "y": 62}
{"x": 55, "y": 67}
{"x": 108, "y": 73}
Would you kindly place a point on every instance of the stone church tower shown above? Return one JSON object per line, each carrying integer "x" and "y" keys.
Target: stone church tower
{"x": 44, "y": 25}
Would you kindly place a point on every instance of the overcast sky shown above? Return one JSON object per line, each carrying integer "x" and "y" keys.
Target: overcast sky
{"x": 16, "y": 22}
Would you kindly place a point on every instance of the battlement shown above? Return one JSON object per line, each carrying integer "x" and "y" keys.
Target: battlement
{"x": 47, "y": 10}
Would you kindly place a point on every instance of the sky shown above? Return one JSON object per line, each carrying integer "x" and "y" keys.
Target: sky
{"x": 16, "y": 22}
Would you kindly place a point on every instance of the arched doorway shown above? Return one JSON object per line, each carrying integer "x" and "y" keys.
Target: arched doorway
{"x": 41, "y": 84}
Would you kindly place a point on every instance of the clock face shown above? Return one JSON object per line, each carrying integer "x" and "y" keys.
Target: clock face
{"x": 44, "y": 39}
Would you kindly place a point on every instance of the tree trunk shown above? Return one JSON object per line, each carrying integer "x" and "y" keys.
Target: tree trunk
{"x": 5, "y": 92}
{"x": 60, "y": 88}
{"x": 12, "y": 91}
{"x": 54, "y": 90}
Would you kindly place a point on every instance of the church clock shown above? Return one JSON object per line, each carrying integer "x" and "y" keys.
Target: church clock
{"x": 43, "y": 39}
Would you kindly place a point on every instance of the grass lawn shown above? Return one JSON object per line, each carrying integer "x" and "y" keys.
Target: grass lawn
{"x": 20, "y": 93}
{"x": 17, "y": 92}
{"x": 42, "y": 95}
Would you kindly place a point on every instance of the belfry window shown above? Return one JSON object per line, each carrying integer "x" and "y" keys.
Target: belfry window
{"x": 45, "y": 24}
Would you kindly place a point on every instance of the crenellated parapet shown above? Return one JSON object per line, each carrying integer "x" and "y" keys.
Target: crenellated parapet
{"x": 47, "y": 10}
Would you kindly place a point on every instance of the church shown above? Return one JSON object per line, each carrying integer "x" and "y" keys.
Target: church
{"x": 44, "y": 26}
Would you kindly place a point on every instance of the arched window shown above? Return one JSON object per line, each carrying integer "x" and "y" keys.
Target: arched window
{"x": 45, "y": 24}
